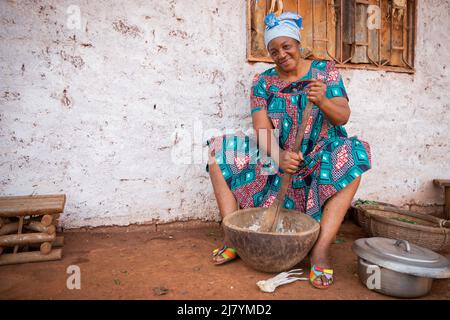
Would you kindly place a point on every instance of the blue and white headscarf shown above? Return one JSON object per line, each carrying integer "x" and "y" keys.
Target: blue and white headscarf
{"x": 287, "y": 24}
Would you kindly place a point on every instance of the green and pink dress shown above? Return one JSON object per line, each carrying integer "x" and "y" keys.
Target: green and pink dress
{"x": 332, "y": 159}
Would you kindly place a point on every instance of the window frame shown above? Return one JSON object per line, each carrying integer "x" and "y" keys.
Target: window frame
{"x": 251, "y": 57}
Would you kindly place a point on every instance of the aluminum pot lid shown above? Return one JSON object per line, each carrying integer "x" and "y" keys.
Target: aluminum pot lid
{"x": 402, "y": 256}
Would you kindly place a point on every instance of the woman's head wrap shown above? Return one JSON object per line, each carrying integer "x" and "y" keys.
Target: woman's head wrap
{"x": 287, "y": 24}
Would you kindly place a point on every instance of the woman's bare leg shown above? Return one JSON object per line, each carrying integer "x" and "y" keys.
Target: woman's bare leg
{"x": 333, "y": 214}
{"x": 225, "y": 199}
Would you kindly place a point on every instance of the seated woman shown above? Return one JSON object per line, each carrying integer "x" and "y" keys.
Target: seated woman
{"x": 327, "y": 171}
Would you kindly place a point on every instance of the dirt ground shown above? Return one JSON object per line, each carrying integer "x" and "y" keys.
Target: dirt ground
{"x": 173, "y": 262}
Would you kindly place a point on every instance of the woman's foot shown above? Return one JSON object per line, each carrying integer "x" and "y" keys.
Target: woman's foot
{"x": 321, "y": 278}
{"x": 223, "y": 255}
{"x": 321, "y": 275}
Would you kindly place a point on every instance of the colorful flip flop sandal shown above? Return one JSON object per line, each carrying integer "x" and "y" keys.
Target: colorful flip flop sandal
{"x": 224, "y": 255}
{"x": 324, "y": 275}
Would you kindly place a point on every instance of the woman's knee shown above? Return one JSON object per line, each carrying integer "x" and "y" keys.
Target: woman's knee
{"x": 352, "y": 187}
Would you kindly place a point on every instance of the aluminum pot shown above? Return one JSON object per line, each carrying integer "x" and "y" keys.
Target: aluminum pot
{"x": 398, "y": 268}
{"x": 393, "y": 283}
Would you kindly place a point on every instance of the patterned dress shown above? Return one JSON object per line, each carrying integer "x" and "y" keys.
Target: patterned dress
{"x": 332, "y": 159}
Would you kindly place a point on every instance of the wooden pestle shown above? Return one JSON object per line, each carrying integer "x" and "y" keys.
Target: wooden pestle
{"x": 271, "y": 218}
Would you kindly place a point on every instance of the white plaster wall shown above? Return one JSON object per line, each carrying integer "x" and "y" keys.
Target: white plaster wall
{"x": 93, "y": 112}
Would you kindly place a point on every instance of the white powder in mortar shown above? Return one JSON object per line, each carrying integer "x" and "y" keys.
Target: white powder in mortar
{"x": 279, "y": 229}
{"x": 255, "y": 226}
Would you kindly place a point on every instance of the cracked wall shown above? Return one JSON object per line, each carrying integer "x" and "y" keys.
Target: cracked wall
{"x": 95, "y": 111}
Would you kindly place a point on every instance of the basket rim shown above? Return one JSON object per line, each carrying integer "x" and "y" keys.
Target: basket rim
{"x": 438, "y": 228}
{"x": 377, "y": 204}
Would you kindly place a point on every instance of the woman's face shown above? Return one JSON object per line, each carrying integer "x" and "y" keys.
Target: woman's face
{"x": 285, "y": 52}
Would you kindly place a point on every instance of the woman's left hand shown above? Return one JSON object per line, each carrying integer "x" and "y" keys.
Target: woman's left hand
{"x": 316, "y": 93}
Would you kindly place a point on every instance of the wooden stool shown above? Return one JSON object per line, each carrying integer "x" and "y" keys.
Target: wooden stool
{"x": 446, "y": 184}
{"x": 38, "y": 216}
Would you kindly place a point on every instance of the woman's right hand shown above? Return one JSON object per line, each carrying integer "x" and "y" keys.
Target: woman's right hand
{"x": 290, "y": 161}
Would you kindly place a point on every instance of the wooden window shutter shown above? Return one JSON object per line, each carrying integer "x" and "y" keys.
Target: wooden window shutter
{"x": 340, "y": 30}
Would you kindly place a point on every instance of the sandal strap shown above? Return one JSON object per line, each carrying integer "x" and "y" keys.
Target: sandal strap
{"x": 318, "y": 272}
{"x": 229, "y": 253}
{"x": 218, "y": 251}
{"x": 225, "y": 252}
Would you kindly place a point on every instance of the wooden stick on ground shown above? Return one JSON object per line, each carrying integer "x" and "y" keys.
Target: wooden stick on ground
{"x": 35, "y": 256}
{"x": 24, "y": 239}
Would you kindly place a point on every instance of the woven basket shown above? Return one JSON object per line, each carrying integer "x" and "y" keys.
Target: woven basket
{"x": 395, "y": 223}
{"x": 359, "y": 211}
